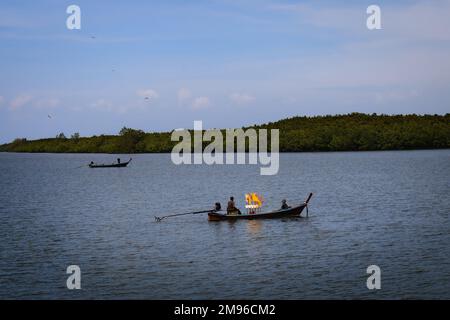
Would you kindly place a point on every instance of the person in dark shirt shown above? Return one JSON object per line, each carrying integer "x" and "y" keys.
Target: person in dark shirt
{"x": 284, "y": 205}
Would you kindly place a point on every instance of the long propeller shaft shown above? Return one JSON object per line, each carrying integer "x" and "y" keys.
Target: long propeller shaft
{"x": 159, "y": 219}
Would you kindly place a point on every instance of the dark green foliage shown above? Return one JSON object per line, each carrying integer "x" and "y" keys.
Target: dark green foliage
{"x": 61, "y": 136}
{"x": 131, "y": 141}
{"x": 351, "y": 132}
{"x": 358, "y": 131}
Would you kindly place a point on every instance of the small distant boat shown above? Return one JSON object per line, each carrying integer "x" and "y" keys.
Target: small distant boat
{"x": 281, "y": 213}
{"x": 112, "y": 165}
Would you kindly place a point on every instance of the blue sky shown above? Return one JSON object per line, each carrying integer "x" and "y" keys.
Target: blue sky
{"x": 228, "y": 63}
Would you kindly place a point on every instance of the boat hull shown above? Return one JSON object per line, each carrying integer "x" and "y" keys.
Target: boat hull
{"x": 114, "y": 165}
{"x": 122, "y": 165}
{"x": 287, "y": 213}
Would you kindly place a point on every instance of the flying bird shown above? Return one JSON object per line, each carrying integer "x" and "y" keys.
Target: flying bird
{"x": 49, "y": 116}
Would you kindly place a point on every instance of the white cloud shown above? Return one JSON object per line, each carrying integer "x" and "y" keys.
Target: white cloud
{"x": 241, "y": 98}
{"x": 148, "y": 93}
{"x": 102, "y": 104}
{"x": 20, "y": 101}
{"x": 31, "y": 101}
{"x": 119, "y": 107}
{"x": 183, "y": 95}
{"x": 47, "y": 103}
{"x": 201, "y": 103}
{"x": 426, "y": 20}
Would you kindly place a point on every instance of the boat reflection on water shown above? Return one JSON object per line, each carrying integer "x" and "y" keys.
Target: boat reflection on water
{"x": 254, "y": 227}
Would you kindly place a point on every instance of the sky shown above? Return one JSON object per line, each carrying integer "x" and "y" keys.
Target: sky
{"x": 160, "y": 65}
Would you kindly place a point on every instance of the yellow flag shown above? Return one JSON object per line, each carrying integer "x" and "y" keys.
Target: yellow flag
{"x": 248, "y": 198}
{"x": 256, "y": 199}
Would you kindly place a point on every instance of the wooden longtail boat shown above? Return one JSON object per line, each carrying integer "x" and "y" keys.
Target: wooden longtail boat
{"x": 113, "y": 165}
{"x": 281, "y": 213}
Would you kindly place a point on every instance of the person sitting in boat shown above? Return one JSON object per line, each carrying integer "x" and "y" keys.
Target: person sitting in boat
{"x": 217, "y": 206}
{"x": 231, "y": 207}
{"x": 284, "y": 205}
{"x": 118, "y": 160}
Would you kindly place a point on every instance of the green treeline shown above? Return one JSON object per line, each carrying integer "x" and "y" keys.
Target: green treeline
{"x": 350, "y": 132}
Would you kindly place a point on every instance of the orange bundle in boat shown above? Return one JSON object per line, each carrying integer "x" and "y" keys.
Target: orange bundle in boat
{"x": 257, "y": 200}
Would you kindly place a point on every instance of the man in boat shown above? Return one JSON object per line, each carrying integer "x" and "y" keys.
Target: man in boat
{"x": 231, "y": 207}
{"x": 217, "y": 206}
{"x": 284, "y": 204}
{"x": 118, "y": 160}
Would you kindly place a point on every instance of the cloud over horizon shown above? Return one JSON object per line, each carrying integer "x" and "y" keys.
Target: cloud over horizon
{"x": 242, "y": 98}
{"x": 201, "y": 103}
{"x": 20, "y": 101}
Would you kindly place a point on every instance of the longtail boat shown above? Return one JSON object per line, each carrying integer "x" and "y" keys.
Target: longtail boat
{"x": 113, "y": 165}
{"x": 281, "y": 213}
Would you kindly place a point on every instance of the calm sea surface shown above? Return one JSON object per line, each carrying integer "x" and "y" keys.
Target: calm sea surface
{"x": 390, "y": 209}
